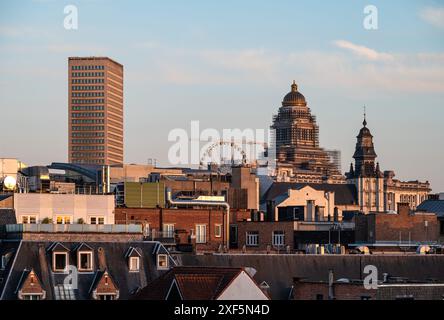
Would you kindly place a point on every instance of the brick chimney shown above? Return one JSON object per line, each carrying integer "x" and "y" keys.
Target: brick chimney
{"x": 403, "y": 209}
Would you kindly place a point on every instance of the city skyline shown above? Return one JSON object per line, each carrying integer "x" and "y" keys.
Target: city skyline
{"x": 205, "y": 68}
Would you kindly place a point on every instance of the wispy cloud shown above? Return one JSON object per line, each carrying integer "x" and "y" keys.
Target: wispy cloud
{"x": 413, "y": 73}
{"x": 73, "y": 48}
{"x": 363, "y": 51}
{"x": 21, "y": 31}
{"x": 433, "y": 15}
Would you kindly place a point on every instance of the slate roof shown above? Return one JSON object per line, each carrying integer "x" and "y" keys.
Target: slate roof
{"x": 344, "y": 193}
{"x": 7, "y": 216}
{"x": 194, "y": 283}
{"x": 434, "y": 206}
{"x": 278, "y": 271}
{"x": 108, "y": 256}
{"x": 7, "y": 249}
{"x": 5, "y": 196}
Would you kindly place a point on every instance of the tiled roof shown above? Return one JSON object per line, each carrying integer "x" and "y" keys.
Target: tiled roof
{"x": 194, "y": 283}
{"x": 434, "y": 206}
{"x": 108, "y": 256}
{"x": 278, "y": 271}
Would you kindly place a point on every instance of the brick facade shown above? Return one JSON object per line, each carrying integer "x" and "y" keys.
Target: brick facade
{"x": 403, "y": 226}
{"x": 265, "y": 231}
{"x": 305, "y": 290}
{"x": 184, "y": 220}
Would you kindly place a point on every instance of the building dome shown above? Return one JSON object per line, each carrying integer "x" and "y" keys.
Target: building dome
{"x": 294, "y": 97}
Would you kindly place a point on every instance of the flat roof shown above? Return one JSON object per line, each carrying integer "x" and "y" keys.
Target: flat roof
{"x": 95, "y": 58}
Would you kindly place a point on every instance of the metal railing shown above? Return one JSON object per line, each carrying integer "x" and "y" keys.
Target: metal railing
{"x": 79, "y": 228}
{"x": 322, "y": 225}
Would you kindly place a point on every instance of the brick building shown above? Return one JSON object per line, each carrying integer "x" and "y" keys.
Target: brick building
{"x": 405, "y": 226}
{"x": 265, "y": 236}
{"x": 321, "y": 290}
{"x": 391, "y": 288}
{"x": 202, "y": 227}
{"x": 95, "y": 111}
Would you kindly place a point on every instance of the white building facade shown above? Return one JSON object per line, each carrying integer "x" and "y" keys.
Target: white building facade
{"x": 38, "y": 208}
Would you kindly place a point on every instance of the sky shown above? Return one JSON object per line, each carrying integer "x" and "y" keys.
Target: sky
{"x": 228, "y": 64}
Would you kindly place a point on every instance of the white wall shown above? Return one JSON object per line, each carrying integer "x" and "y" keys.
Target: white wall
{"x": 300, "y": 197}
{"x": 75, "y": 206}
{"x": 243, "y": 288}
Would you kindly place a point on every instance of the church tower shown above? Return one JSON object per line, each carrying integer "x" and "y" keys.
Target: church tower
{"x": 366, "y": 174}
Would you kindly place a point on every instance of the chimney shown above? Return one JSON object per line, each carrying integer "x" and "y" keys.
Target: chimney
{"x": 102, "y": 259}
{"x": 403, "y": 208}
{"x": 331, "y": 295}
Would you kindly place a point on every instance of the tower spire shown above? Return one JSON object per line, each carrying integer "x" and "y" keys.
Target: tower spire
{"x": 365, "y": 121}
{"x": 294, "y": 86}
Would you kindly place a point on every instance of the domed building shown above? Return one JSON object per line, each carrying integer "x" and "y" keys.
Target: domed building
{"x": 299, "y": 157}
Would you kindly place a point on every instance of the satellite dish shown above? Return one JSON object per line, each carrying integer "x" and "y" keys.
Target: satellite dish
{"x": 9, "y": 183}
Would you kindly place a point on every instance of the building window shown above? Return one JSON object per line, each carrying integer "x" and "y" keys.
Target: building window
{"x": 134, "y": 264}
{"x": 201, "y": 233}
{"x": 252, "y": 238}
{"x": 60, "y": 261}
{"x": 278, "y": 238}
{"x": 162, "y": 261}
{"x": 85, "y": 261}
{"x": 97, "y": 220}
{"x": 29, "y": 219}
{"x": 106, "y": 297}
{"x": 319, "y": 297}
{"x": 218, "y": 230}
{"x": 168, "y": 229}
{"x": 146, "y": 230}
{"x": 63, "y": 220}
{"x": 32, "y": 297}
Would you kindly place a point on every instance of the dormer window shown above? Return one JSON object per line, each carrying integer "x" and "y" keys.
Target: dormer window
{"x": 84, "y": 258}
{"x": 162, "y": 261}
{"x": 85, "y": 261}
{"x": 60, "y": 261}
{"x": 30, "y": 287}
{"x": 104, "y": 287}
{"x": 133, "y": 256}
{"x": 134, "y": 263}
{"x": 60, "y": 257}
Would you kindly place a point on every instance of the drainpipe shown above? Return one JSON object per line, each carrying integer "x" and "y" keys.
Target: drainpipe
{"x": 206, "y": 203}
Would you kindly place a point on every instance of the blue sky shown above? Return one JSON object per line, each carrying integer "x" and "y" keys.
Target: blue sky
{"x": 228, "y": 64}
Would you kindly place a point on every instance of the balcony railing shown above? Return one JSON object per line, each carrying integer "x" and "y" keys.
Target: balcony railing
{"x": 322, "y": 226}
{"x": 75, "y": 228}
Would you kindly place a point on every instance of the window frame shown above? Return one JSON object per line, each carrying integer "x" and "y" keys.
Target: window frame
{"x": 130, "y": 264}
{"x": 97, "y": 219}
{"x": 64, "y": 219}
{"x": 54, "y": 259}
{"x": 79, "y": 261}
{"x": 28, "y": 218}
{"x": 201, "y": 238}
{"x": 163, "y": 255}
{"x": 278, "y": 234}
{"x": 249, "y": 236}
{"x": 218, "y": 230}
{"x": 167, "y": 232}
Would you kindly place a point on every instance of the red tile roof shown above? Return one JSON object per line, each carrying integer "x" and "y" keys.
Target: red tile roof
{"x": 194, "y": 283}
